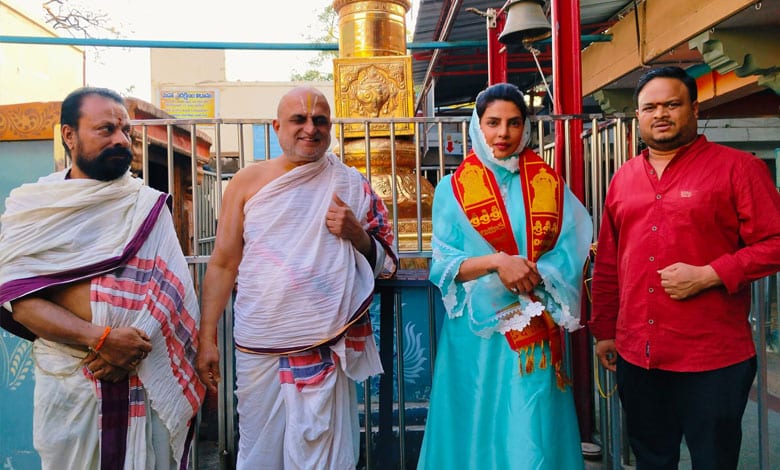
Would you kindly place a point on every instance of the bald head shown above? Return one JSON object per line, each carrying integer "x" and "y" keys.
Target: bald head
{"x": 303, "y": 125}
{"x": 306, "y": 98}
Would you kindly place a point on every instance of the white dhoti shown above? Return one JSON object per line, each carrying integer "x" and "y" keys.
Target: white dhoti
{"x": 67, "y": 409}
{"x": 282, "y": 427}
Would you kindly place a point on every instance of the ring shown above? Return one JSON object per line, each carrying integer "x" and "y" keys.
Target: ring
{"x": 515, "y": 290}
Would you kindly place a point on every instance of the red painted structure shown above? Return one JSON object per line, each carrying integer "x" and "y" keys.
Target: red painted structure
{"x": 496, "y": 52}
{"x": 567, "y": 99}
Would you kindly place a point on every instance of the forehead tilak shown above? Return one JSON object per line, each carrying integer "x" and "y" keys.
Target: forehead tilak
{"x": 309, "y": 103}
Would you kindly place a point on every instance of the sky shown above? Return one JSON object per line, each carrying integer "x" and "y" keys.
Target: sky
{"x": 265, "y": 21}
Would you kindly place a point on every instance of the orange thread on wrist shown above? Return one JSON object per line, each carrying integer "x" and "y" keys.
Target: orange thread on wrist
{"x": 102, "y": 339}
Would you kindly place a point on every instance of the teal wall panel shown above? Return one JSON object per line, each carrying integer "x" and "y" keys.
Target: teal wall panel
{"x": 16, "y": 404}
{"x": 23, "y": 162}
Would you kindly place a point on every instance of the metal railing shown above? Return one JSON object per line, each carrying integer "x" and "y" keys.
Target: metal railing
{"x": 607, "y": 142}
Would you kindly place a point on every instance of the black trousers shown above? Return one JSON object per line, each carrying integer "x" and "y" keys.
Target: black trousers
{"x": 661, "y": 407}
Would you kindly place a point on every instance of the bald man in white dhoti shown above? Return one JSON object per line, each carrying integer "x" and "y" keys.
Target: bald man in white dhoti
{"x": 304, "y": 236}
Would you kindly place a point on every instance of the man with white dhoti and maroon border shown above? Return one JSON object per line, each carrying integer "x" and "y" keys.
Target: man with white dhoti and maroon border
{"x": 92, "y": 272}
{"x": 304, "y": 236}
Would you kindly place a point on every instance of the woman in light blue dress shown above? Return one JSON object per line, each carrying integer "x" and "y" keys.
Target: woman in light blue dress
{"x": 509, "y": 246}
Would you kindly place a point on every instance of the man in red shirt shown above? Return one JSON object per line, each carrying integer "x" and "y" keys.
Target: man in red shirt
{"x": 687, "y": 225}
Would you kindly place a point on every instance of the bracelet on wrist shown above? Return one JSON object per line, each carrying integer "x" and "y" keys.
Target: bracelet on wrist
{"x": 102, "y": 340}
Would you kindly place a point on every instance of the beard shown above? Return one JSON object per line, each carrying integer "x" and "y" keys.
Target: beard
{"x": 109, "y": 165}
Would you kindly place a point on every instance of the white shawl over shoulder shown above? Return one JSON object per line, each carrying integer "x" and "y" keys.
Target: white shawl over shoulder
{"x": 297, "y": 283}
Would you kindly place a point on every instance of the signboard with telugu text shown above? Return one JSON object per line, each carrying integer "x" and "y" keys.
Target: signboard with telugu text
{"x": 189, "y": 104}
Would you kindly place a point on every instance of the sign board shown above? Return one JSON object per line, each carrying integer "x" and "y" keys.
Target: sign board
{"x": 452, "y": 138}
{"x": 189, "y": 103}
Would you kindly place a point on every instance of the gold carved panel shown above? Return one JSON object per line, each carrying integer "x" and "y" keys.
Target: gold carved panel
{"x": 374, "y": 87}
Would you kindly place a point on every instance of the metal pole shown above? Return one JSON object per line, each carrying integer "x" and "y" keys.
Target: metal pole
{"x": 369, "y": 439}
{"x": 567, "y": 99}
{"x": 399, "y": 354}
{"x": 496, "y": 52}
{"x": 193, "y": 190}
{"x": 762, "y": 312}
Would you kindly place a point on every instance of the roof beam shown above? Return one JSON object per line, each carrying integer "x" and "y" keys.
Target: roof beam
{"x": 663, "y": 26}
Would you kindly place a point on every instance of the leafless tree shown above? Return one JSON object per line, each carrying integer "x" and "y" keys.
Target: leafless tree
{"x": 76, "y": 20}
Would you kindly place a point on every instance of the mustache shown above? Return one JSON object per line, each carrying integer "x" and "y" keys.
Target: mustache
{"x": 123, "y": 152}
{"x": 108, "y": 165}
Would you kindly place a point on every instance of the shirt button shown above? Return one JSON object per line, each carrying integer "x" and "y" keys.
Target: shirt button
{"x": 658, "y": 196}
{"x": 651, "y": 321}
{"x": 652, "y": 258}
{"x": 654, "y": 228}
{"x": 651, "y": 290}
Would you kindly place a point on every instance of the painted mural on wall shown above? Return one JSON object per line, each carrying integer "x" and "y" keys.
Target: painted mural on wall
{"x": 17, "y": 361}
{"x": 16, "y": 403}
{"x": 416, "y": 351}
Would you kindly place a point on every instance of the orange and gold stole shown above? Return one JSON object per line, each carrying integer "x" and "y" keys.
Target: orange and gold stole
{"x": 478, "y": 193}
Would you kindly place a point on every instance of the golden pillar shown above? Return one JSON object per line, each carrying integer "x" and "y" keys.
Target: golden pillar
{"x": 373, "y": 79}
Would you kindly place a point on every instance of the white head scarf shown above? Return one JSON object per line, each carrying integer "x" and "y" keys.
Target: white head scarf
{"x": 485, "y": 152}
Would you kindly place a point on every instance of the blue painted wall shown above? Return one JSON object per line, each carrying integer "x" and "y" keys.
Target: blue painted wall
{"x": 415, "y": 308}
{"x": 16, "y": 404}
{"x": 22, "y": 162}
